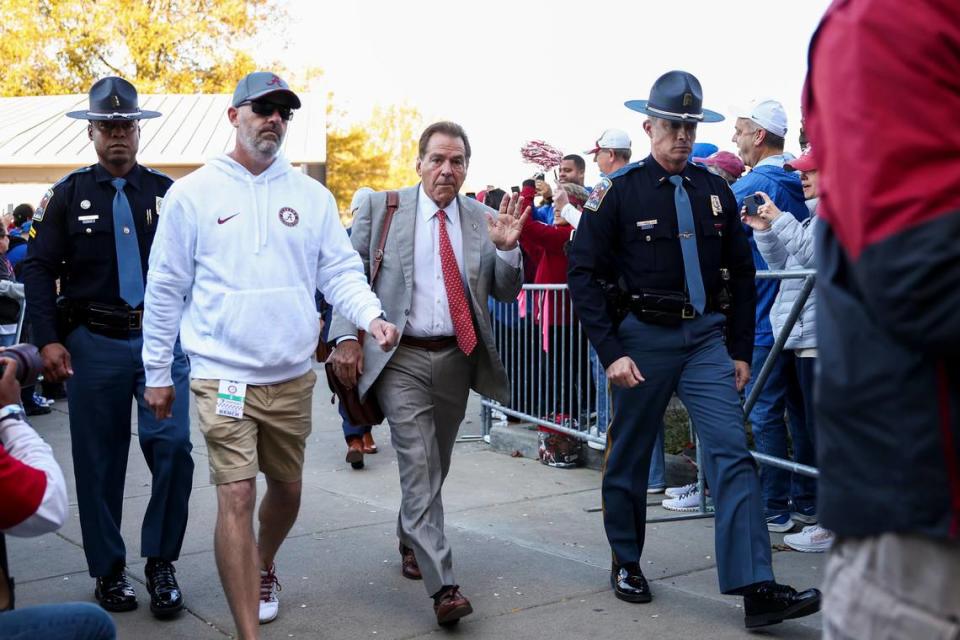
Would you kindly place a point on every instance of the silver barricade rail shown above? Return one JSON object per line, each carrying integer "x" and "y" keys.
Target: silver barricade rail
{"x": 14, "y": 291}
{"x": 543, "y": 348}
{"x": 548, "y": 362}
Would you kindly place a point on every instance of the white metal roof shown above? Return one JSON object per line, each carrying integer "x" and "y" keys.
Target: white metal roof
{"x": 35, "y": 132}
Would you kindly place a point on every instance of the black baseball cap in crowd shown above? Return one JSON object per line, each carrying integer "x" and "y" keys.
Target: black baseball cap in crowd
{"x": 260, "y": 84}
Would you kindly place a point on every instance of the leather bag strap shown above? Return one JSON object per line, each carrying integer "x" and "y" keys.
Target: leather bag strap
{"x": 393, "y": 201}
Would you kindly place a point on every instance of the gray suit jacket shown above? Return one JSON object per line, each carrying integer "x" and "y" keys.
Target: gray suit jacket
{"x": 487, "y": 274}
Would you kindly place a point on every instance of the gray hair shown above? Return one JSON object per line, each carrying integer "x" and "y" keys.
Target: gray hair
{"x": 358, "y": 197}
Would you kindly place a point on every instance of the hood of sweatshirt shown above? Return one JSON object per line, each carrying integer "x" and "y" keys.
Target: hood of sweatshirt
{"x": 258, "y": 186}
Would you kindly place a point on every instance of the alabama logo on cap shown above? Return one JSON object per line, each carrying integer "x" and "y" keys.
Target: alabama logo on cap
{"x": 289, "y": 217}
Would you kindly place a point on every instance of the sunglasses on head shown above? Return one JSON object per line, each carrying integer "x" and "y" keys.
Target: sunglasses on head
{"x": 266, "y": 109}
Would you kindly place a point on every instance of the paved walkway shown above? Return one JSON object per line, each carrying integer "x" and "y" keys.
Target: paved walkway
{"x": 528, "y": 544}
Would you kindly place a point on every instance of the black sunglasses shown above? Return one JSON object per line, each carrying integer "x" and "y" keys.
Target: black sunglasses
{"x": 266, "y": 109}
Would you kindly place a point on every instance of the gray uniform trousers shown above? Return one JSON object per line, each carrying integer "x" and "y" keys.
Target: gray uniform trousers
{"x": 423, "y": 395}
{"x": 692, "y": 361}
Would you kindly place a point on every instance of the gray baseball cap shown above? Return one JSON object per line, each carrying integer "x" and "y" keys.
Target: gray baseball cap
{"x": 260, "y": 84}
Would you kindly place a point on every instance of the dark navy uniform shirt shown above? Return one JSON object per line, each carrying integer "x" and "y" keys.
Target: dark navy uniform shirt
{"x": 631, "y": 236}
{"x": 72, "y": 239}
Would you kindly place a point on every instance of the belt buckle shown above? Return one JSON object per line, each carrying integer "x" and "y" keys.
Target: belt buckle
{"x": 688, "y": 312}
{"x": 135, "y": 320}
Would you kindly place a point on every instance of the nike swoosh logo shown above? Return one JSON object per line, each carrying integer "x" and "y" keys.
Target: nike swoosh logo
{"x": 222, "y": 220}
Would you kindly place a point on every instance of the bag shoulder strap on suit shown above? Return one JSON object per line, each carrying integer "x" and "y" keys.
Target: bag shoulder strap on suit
{"x": 393, "y": 201}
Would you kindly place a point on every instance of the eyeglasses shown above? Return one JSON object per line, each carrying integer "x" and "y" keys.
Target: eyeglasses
{"x": 110, "y": 125}
{"x": 266, "y": 109}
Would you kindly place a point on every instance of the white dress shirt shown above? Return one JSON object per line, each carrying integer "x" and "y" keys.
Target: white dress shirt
{"x": 429, "y": 309}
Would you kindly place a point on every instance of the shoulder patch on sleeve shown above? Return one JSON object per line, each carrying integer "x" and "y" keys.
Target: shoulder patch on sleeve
{"x": 596, "y": 196}
{"x": 33, "y": 231}
{"x": 42, "y": 207}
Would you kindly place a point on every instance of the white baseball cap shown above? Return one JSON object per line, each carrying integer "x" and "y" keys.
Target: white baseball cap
{"x": 611, "y": 139}
{"x": 768, "y": 114}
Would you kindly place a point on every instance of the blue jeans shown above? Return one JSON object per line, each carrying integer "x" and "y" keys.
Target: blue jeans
{"x": 8, "y": 340}
{"x": 349, "y": 429}
{"x": 782, "y": 490}
{"x": 603, "y": 392}
{"x": 657, "y": 478}
{"x": 68, "y": 621}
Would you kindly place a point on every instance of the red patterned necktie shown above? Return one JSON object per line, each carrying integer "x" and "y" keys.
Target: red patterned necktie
{"x": 456, "y": 298}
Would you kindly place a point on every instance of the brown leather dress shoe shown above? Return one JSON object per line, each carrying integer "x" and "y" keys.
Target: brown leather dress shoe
{"x": 408, "y": 565}
{"x": 369, "y": 446}
{"x": 450, "y": 606}
{"x": 355, "y": 453}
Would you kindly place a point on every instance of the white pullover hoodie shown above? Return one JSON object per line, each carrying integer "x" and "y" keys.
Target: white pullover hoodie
{"x": 238, "y": 257}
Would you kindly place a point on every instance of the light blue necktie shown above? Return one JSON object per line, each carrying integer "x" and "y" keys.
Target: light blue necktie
{"x": 129, "y": 267}
{"x": 688, "y": 245}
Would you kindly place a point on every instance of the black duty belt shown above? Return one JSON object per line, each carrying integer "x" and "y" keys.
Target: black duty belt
{"x": 665, "y": 307}
{"x": 107, "y": 319}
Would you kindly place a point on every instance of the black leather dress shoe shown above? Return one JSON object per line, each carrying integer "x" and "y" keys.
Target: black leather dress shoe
{"x": 165, "y": 597}
{"x": 629, "y": 584}
{"x": 115, "y": 593}
{"x": 771, "y": 603}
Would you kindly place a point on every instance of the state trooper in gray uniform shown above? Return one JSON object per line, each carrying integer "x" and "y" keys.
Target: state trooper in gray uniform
{"x": 662, "y": 278}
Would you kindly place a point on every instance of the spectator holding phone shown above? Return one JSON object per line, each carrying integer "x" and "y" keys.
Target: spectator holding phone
{"x": 785, "y": 243}
{"x": 759, "y": 136}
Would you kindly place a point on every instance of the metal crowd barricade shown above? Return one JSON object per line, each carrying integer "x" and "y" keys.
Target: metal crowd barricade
{"x": 548, "y": 363}
{"x": 543, "y": 347}
{"x": 14, "y": 291}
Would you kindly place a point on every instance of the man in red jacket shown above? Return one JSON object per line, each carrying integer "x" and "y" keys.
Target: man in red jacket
{"x": 888, "y": 290}
{"x": 34, "y": 502}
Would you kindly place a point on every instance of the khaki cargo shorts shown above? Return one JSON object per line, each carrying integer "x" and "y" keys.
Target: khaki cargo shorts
{"x": 270, "y": 437}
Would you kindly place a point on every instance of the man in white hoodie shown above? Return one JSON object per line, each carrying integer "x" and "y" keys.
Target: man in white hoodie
{"x": 243, "y": 244}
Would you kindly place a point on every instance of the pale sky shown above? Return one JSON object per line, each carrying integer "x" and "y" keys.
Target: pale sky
{"x": 514, "y": 71}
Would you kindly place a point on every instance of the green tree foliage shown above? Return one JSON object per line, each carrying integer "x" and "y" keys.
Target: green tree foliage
{"x": 380, "y": 153}
{"x": 175, "y": 46}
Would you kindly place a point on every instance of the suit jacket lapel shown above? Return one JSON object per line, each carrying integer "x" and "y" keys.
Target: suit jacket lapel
{"x": 472, "y": 243}
{"x": 406, "y": 216}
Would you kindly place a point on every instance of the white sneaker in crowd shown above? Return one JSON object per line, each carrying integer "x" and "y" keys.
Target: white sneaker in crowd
{"x": 813, "y": 539}
{"x": 676, "y": 492}
{"x": 689, "y": 501}
{"x": 653, "y": 490}
{"x": 269, "y": 586}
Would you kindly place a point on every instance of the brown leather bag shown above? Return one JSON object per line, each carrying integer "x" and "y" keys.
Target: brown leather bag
{"x": 367, "y": 412}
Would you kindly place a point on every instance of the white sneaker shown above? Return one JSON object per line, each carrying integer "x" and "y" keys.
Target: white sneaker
{"x": 813, "y": 539}
{"x": 653, "y": 490}
{"x": 689, "y": 501}
{"x": 676, "y": 492}
{"x": 269, "y": 586}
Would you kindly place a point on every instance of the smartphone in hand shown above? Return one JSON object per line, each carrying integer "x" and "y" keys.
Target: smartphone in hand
{"x": 752, "y": 203}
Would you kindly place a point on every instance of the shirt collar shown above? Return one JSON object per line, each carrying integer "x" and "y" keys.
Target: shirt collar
{"x": 427, "y": 208}
{"x": 777, "y": 161}
{"x": 661, "y": 176}
{"x": 132, "y": 177}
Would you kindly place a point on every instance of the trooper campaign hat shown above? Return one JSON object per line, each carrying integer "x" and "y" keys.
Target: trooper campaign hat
{"x": 677, "y": 96}
{"x": 113, "y": 98}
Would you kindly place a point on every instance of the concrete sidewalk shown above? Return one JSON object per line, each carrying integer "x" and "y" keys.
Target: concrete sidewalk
{"x": 529, "y": 552}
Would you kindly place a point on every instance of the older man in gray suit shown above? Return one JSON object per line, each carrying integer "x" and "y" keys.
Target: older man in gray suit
{"x": 443, "y": 257}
